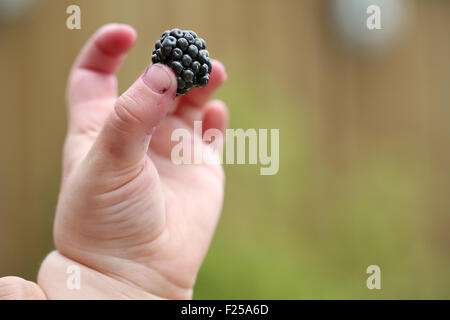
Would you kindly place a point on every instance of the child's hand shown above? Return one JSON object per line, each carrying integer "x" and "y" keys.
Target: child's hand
{"x": 137, "y": 225}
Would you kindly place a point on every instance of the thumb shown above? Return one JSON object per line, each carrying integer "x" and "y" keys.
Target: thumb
{"x": 125, "y": 136}
{"x": 15, "y": 288}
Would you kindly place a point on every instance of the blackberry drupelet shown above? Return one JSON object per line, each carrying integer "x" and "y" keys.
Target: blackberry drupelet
{"x": 186, "y": 54}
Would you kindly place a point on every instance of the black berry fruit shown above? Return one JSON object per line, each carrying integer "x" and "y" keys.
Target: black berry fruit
{"x": 186, "y": 54}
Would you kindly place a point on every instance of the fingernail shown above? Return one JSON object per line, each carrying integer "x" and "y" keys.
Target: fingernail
{"x": 157, "y": 78}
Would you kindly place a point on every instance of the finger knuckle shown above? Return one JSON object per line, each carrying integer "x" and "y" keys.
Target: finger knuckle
{"x": 125, "y": 119}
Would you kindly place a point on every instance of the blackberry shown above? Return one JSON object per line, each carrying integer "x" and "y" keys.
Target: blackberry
{"x": 186, "y": 54}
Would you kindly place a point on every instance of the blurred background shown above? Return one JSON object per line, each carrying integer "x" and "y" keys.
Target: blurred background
{"x": 364, "y": 123}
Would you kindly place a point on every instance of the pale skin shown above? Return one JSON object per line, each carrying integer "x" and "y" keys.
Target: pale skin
{"x": 137, "y": 225}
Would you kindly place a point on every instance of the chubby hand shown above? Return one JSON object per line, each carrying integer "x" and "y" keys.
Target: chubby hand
{"x": 135, "y": 224}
